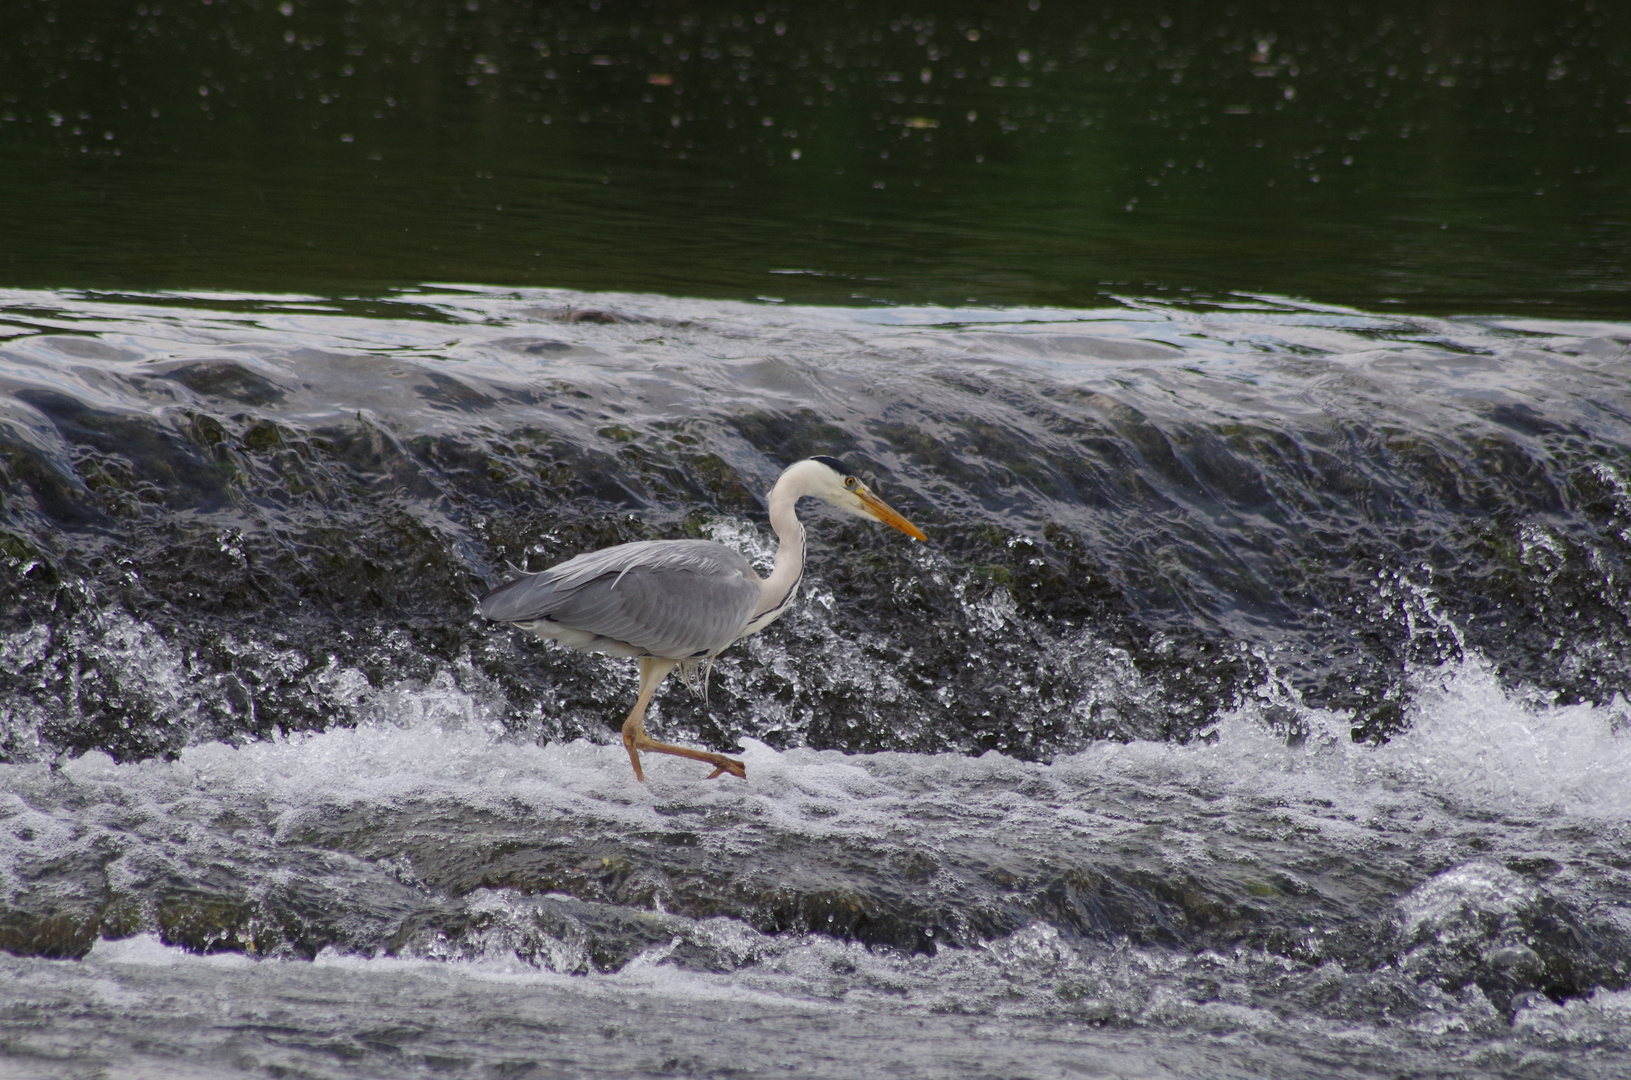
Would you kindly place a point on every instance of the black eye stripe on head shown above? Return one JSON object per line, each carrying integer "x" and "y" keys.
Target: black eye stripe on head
{"x": 834, "y": 464}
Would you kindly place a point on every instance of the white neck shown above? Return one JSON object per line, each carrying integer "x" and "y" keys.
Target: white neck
{"x": 775, "y": 590}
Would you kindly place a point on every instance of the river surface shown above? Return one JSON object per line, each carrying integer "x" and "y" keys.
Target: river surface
{"x": 1458, "y": 157}
{"x": 1257, "y": 707}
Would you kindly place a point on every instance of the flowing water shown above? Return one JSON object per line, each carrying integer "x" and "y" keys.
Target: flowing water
{"x": 1260, "y": 705}
{"x": 1257, "y": 707}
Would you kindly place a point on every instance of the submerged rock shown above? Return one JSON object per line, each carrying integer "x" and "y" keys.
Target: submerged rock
{"x": 1481, "y": 924}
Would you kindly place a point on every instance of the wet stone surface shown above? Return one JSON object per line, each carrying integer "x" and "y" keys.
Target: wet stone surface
{"x": 1102, "y": 565}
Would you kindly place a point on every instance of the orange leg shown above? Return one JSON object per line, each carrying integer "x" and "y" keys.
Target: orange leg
{"x": 652, "y": 673}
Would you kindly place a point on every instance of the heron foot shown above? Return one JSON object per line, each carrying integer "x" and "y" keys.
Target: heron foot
{"x": 727, "y": 765}
{"x": 635, "y": 740}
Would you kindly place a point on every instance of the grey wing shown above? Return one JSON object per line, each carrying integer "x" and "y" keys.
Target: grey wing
{"x": 668, "y": 598}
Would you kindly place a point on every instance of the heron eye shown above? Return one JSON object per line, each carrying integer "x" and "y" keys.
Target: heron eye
{"x": 849, "y": 482}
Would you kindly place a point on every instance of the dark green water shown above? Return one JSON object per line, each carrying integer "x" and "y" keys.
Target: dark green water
{"x": 1446, "y": 157}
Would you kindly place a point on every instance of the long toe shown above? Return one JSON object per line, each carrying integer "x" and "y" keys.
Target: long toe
{"x": 726, "y": 765}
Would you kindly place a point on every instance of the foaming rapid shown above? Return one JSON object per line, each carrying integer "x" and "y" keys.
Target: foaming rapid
{"x": 1259, "y": 706}
{"x": 484, "y": 877}
{"x": 1468, "y": 739}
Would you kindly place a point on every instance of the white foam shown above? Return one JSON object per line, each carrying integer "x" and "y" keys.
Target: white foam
{"x": 1470, "y": 741}
{"x": 146, "y": 950}
{"x": 1475, "y": 754}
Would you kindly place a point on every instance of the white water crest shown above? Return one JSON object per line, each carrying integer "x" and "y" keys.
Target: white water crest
{"x": 1422, "y": 796}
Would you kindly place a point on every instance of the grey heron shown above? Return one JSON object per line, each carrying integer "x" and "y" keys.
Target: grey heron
{"x": 680, "y": 602}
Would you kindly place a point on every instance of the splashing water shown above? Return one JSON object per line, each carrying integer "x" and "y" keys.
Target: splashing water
{"x": 1077, "y": 784}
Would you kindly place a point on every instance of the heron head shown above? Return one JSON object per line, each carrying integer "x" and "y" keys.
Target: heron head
{"x": 831, "y": 481}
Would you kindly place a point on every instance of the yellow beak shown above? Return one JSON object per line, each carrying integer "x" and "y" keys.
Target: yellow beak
{"x": 886, "y": 514}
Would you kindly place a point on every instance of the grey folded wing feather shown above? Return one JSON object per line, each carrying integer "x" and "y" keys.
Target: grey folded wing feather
{"x": 668, "y": 598}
